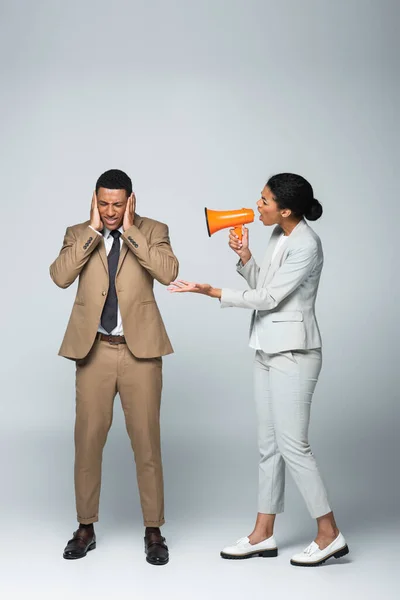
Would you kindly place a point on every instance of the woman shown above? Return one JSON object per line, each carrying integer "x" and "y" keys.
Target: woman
{"x": 286, "y": 338}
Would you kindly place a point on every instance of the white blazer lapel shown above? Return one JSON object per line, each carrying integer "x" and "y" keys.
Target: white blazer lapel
{"x": 274, "y": 265}
{"x": 265, "y": 266}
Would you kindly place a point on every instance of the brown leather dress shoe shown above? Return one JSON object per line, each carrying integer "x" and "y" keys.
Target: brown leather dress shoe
{"x": 82, "y": 542}
{"x": 155, "y": 547}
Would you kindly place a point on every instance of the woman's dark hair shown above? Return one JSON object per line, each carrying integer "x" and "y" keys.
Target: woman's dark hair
{"x": 294, "y": 192}
{"x": 114, "y": 179}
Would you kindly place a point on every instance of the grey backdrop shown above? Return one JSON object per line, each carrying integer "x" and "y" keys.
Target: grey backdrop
{"x": 200, "y": 102}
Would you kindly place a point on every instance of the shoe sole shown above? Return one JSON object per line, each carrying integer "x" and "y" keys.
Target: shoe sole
{"x": 338, "y": 554}
{"x": 157, "y": 563}
{"x": 91, "y": 547}
{"x": 258, "y": 554}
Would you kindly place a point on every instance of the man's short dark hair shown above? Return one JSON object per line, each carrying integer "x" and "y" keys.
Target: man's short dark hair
{"x": 114, "y": 179}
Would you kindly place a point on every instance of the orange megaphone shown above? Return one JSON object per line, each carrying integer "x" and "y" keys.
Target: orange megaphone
{"x": 220, "y": 219}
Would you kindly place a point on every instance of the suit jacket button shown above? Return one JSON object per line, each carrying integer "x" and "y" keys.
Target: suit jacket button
{"x": 104, "y": 293}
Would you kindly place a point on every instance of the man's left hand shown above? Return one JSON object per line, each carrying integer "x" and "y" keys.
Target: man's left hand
{"x": 129, "y": 216}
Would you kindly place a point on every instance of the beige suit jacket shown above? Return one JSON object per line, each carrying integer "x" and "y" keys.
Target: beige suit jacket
{"x": 146, "y": 254}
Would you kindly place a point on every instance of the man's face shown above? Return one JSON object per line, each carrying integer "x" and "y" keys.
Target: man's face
{"x": 111, "y": 205}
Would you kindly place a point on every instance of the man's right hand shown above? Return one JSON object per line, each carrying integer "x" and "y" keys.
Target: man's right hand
{"x": 241, "y": 247}
{"x": 95, "y": 220}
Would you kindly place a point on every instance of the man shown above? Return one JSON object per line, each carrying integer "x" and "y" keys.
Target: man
{"x": 117, "y": 338}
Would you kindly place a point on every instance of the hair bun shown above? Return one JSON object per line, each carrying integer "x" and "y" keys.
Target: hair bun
{"x": 314, "y": 212}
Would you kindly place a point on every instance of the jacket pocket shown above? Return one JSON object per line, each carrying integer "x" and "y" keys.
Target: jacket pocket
{"x": 293, "y": 315}
{"x": 148, "y": 302}
{"x": 79, "y": 301}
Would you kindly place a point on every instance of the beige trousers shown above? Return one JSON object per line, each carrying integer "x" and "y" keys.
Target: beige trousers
{"x": 107, "y": 370}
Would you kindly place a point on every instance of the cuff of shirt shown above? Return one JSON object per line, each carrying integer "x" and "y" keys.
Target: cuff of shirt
{"x": 94, "y": 229}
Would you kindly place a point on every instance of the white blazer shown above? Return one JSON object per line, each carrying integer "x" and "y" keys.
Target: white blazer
{"x": 283, "y": 292}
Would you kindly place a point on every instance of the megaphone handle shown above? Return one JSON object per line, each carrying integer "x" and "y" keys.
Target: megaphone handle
{"x": 238, "y": 231}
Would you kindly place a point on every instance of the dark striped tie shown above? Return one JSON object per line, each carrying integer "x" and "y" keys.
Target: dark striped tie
{"x": 109, "y": 314}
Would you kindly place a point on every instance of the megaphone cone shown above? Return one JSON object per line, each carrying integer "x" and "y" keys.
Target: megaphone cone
{"x": 221, "y": 219}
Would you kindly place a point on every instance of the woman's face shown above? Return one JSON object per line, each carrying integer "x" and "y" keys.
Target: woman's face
{"x": 270, "y": 213}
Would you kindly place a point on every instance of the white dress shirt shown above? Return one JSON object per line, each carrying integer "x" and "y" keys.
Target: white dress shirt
{"x": 254, "y": 341}
{"x": 108, "y": 242}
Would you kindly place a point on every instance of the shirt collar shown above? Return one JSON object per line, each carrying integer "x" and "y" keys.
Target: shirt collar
{"x": 106, "y": 232}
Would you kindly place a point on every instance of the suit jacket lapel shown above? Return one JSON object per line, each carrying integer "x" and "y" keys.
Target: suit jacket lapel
{"x": 267, "y": 258}
{"x": 273, "y": 266}
{"x": 101, "y": 249}
{"x": 125, "y": 249}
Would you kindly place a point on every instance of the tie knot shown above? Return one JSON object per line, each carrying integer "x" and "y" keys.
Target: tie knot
{"x": 116, "y": 234}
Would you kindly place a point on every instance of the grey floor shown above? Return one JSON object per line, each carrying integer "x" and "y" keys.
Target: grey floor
{"x": 210, "y": 495}
{"x": 33, "y": 566}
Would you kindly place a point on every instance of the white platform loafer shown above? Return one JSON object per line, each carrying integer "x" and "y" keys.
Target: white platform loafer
{"x": 243, "y": 549}
{"x": 312, "y": 556}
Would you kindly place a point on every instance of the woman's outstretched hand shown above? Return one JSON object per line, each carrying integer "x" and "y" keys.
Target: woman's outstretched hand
{"x": 196, "y": 288}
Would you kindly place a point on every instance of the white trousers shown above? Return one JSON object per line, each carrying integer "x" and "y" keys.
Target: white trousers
{"x": 284, "y": 384}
